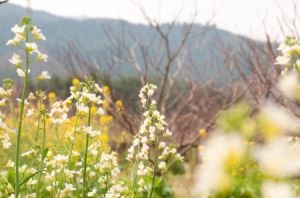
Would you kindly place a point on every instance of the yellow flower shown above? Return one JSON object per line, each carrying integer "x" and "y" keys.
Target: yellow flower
{"x": 202, "y": 133}
{"x": 270, "y": 129}
{"x": 52, "y": 96}
{"x": 94, "y": 109}
{"x": 68, "y": 101}
{"x": 119, "y": 106}
{"x": 105, "y": 104}
{"x": 106, "y": 90}
{"x": 75, "y": 82}
{"x": 106, "y": 120}
{"x": 2, "y": 103}
{"x": 233, "y": 159}
{"x": 104, "y": 138}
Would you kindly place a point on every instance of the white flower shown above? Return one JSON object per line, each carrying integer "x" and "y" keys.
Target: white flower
{"x": 168, "y": 133}
{"x": 82, "y": 108}
{"x": 23, "y": 168}
{"x": 92, "y": 193}
{"x": 278, "y": 158}
{"x": 220, "y": 151}
{"x": 89, "y": 130}
{"x": 117, "y": 191}
{"x": 5, "y": 141}
{"x": 16, "y": 60}
{"x": 152, "y": 129}
{"x": 37, "y": 34}
{"x": 28, "y": 153}
{"x": 15, "y": 42}
{"x": 49, "y": 188}
{"x": 277, "y": 190}
{"x": 146, "y": 92}
{"x": 68, "y": 188}
{"x": 162, "y": 145}
{"x": 101, "y": 111}
{"x": 18, "y": 30}
{"x": 41, "y": 57}
{"x": 10, "y": 164}
{"x": 289, "y": 85}
{"x": 91, "y": 97}
{"x": 58, "y": 113}
{"x": 31, "y": 47}
{"x": 44, "y": 76}
{"x": 162, "y": 165}
{"x": 19, "y": 35}
{"x": 31, "y": 182}
{"x": 283, "y": 120}
{"x": 61, "y": 158}
{"x": 282, "y": 60}
{"x": 283, "y": 47}
{"x": 30, "y": 112}
{"x": 108, "y": 164}
{"x": 21, "y": 73}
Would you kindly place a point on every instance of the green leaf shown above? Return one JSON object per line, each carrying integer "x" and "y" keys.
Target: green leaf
{"x": 25, "y": 20}
{"x": 45, "y": 152}
{"x": 29, "y": 177}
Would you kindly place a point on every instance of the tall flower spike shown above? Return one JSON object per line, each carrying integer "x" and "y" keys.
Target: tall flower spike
{"x": 23, "y": 31}
{"x": 290, "y": 50}
{"x": 150, "y": 143}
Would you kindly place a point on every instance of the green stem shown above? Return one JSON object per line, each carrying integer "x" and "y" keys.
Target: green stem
{"x": 154, "y": 169}
{"x": 39, "y": 120}
{"x": 20, "y": 123}
{"x": 42, "y": 157}
{"x": 134, "y": 173}
{"x": 106, "y": 189}
{"x": 72, "y": 144}
{"x": 86, "y": 154}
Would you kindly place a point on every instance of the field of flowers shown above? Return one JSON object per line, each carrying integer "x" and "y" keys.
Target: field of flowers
{"x": 52, "y": 147}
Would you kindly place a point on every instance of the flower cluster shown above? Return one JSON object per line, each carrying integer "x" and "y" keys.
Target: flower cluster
{"x": 24, "y": 32}
{"x": 5, "y": 94}
{"x": 231, "y": 155}
{"x": 152, "y": 136}
{"x": 59, "y": 112}
{"x": 256, "y": 154}
{"x": 290, "y": 50}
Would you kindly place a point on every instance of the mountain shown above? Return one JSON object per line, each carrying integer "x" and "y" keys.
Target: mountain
{"x": 91, "y": 38}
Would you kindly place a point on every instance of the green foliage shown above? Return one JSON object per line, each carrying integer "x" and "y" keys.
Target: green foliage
{"x": 177, "y": 168}
{"x": 164, "y": 191}
{"x": 237, "y": 119}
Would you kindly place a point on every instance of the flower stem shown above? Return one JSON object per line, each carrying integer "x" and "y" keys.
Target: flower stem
{"x": 86, "y": 154}
{"x": 20, "y": 123}
{"x": 42, "y": 157}
{"x": 73, "y": 141}
{"x": 39, "y": 121}
{"x": 134, "y": 173}
{"x": 154, "y": 169}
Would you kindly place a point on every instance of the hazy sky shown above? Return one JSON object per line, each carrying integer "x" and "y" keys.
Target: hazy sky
{"x": 239, "y": 16}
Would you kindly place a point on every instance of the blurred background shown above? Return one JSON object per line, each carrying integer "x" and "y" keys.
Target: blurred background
{"x": 204, "y": 55}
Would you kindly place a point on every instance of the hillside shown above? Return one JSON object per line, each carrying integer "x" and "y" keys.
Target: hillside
{"x": 89, "y": 35}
